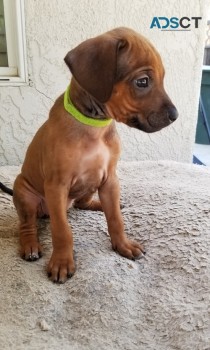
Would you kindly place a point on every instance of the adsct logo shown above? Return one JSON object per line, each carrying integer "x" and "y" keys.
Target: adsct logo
{"x": 175, "y": 24}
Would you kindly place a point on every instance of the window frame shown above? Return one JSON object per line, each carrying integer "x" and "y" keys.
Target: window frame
{"x": 16, "y": 73}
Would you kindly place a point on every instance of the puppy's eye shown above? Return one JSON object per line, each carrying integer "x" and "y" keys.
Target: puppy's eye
{"x": 142, "y": 82}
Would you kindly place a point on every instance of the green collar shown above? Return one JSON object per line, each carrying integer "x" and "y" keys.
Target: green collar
{"x": 70, "y": 108}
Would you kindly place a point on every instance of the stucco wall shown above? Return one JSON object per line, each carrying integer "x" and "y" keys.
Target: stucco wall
{"x": 54, "y": 27}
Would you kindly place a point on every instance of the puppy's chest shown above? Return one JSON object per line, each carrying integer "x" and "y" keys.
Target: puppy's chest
{"x": 90, "y": 172}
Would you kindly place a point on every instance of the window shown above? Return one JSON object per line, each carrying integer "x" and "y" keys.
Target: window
{"x": 207, "y": 46}
{"x": 12, "y": 43}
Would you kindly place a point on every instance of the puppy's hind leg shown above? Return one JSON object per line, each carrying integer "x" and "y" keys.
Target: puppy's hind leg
{"x": 88, "y": 203}
{"x": 26, "y": 203}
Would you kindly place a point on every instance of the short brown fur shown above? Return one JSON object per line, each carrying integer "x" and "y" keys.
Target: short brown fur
{"x": 67, "y": 161}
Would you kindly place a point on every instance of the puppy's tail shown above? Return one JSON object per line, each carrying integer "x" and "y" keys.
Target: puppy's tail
{"x": 6, "y": 189}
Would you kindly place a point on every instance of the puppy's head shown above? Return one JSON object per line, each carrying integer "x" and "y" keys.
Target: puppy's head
{"x": 123, "y": 71}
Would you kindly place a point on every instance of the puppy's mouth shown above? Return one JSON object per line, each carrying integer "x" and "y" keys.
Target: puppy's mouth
{"x": 154, "y": 121}
{"x": 146, "y": 126}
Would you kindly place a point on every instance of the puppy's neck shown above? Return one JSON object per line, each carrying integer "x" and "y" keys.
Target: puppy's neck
{"x": 85, "y": 103}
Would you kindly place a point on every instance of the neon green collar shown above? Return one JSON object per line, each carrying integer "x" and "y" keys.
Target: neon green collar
{"x": 70, "y": 108}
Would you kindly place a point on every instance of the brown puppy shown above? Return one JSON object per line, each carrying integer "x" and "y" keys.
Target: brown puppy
{"x": 116, "y": 76}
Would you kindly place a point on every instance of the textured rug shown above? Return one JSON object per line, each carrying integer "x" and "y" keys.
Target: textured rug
{"x": 160, "y": 302}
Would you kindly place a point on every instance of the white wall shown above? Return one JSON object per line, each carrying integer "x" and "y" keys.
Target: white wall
{"x": 54, "y": 27}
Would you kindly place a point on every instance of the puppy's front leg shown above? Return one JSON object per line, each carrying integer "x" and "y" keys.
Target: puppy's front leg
{"x": 61, "y": 265}
{"x": 109, "y": 195}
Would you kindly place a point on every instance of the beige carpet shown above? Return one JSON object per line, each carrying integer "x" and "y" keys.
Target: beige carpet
{"x": 161, "y": 302}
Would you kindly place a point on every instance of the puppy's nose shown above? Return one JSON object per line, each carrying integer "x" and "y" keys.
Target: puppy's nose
{"x": 172, "y": 113}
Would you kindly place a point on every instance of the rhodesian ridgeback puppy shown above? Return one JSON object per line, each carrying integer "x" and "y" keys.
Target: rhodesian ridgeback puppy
{"x": 117, "y": 76}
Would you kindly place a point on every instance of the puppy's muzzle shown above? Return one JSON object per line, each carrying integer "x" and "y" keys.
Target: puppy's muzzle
{"x": 166, "y": 116}
{"x": 155, "y": 120}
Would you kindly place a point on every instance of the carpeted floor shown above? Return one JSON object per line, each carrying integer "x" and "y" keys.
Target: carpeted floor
{"x": 161, "y": 302}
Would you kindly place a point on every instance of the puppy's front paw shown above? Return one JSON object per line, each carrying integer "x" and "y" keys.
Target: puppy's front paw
{"x": 30, "y": 250}
{"x": 61, "y": 267}
{"x": 129, "y": 249}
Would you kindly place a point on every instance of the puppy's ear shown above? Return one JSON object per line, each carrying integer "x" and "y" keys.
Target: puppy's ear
{"x": 94, "y": 65}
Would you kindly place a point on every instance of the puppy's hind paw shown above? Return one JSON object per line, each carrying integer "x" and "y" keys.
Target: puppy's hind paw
{"x": 129, "y": 249}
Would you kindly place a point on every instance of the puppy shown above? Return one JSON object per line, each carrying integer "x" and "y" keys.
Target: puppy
{"x": 117, "y": 76}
